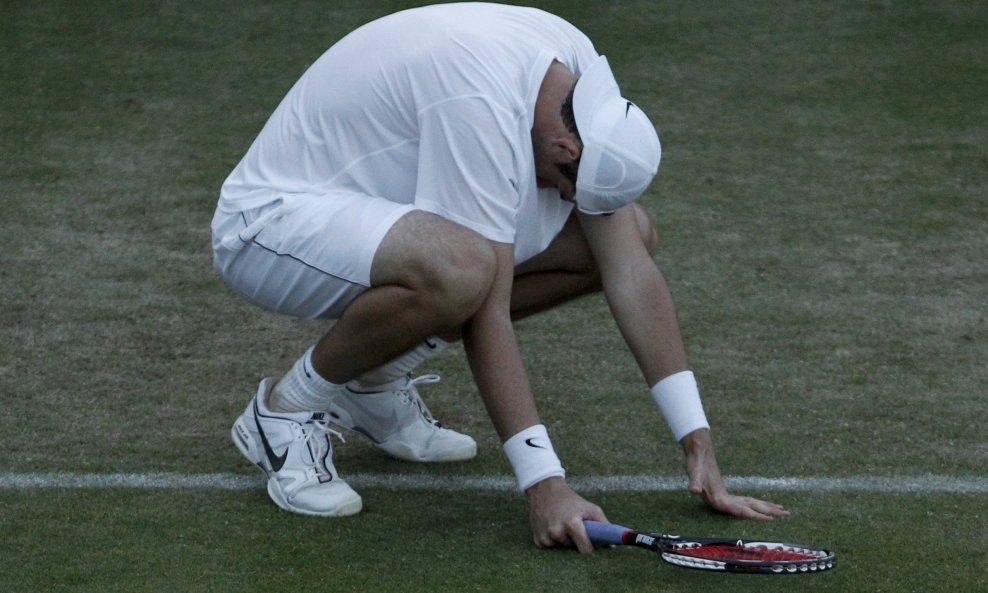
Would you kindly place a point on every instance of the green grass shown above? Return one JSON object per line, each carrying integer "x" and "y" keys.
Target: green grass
{"x": 823, "y": 211}
{"x": 139, "y": 541}
{"x": 158, "y": 541}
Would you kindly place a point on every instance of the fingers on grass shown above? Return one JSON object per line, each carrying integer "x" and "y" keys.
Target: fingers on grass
{"x": 578, "y": 536}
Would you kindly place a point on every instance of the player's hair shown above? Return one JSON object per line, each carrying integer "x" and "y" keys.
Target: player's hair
{"x": 569, "y": 120}
{"x": 569, "y": 170}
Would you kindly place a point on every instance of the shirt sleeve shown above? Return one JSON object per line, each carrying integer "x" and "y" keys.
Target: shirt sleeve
{"x": 468, "y": 168}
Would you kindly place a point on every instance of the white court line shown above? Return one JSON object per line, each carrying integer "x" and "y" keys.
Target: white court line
{"x": 921, "y": 484}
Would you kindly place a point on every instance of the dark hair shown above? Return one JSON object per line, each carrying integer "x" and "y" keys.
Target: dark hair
{"x": 570, "y": 169}
{"x": 569, "y": 119}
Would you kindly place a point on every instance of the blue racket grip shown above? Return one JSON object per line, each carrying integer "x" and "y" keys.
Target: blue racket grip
{"x": 605, "y": 534}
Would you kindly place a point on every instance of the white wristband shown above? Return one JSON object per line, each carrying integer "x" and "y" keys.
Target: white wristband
{"x": 532, "y": 456}
{"x": 679, "y": 400}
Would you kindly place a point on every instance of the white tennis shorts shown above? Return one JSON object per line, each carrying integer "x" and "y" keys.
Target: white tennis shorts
{"x": 303, "y": 255}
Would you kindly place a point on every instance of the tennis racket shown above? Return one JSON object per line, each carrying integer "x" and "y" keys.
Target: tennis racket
{"x": 718, "y": 554}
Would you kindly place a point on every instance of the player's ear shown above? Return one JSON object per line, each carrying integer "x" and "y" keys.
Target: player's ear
{"x": 566, "y": 149}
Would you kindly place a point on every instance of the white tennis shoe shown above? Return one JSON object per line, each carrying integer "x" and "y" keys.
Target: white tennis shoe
{"x": 295, "y": 453}
{"x": 398, "y": 422}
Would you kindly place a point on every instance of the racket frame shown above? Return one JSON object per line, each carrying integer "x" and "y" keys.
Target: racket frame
{"x": 671, "y": 549}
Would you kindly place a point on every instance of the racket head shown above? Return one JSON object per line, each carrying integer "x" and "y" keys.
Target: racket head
{"x": 719, "y": 554}
{"x": 741, "y": 556}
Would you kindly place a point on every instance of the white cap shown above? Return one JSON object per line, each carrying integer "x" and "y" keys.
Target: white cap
{"x": 621, "y": 150}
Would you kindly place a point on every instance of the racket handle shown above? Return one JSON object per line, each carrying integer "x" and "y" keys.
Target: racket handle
{"x": 605, "y": 534}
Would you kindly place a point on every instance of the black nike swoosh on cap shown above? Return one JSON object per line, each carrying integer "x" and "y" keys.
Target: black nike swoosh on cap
{"x": 276, "y": 461}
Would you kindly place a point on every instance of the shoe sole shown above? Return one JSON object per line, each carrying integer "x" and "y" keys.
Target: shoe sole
{"x": 404, "y": 454}
{"x": 242, "y": 442}
{"x": 344, "y": 509}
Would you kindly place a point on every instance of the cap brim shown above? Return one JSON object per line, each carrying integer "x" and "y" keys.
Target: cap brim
{"x": 595, "y": 85}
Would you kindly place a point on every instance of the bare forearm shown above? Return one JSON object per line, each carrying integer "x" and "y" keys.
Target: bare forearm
{"x": 646, "y": 315}
{"x": 636, "y": 293}
{"x": 492, "y": 350}
{"x": 500, "y": 374}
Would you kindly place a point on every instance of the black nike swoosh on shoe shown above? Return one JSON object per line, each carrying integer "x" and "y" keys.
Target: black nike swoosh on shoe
{"x": 276, "y": 461}
{"x": 531, "y": 444}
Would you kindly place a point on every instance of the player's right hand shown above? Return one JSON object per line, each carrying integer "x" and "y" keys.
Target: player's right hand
{"x": 556, "y": 515}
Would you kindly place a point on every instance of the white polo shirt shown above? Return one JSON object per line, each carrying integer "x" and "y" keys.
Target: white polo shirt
{"x": 431, "y": 106}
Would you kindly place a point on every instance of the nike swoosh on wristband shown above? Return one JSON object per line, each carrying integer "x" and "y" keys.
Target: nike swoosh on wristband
{"x": 531, "y": 444}
{"x": 276, "y": 461}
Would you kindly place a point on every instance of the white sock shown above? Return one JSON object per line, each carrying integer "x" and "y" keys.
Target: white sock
{"x": 398, "y": 368}
{"x": 302, "y": 389}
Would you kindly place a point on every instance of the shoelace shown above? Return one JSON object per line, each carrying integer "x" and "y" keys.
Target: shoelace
{"x": 317, "y": 440}
{"x": 410, "y": 394}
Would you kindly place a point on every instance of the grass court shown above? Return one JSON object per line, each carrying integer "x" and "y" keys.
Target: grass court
{"x": 823, "y": 207}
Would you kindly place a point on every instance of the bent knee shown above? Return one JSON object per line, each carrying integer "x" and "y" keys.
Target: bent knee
{"x": 464, "y": 274}
{"x": 450, "y": 266}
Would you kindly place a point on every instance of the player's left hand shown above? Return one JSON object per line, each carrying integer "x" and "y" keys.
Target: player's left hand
{"x": 706, "y": 482}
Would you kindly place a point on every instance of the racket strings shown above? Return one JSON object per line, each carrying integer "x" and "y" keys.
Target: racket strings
{"x": 732, "y": 552}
